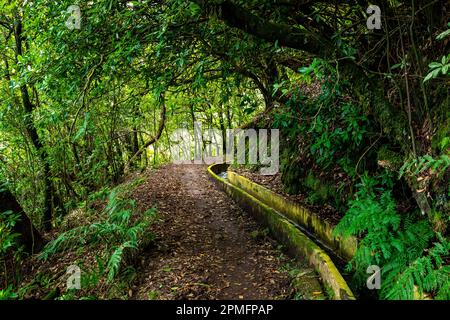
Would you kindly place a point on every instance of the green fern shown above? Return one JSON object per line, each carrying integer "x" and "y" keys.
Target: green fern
{"x": 429, "y": 273}
{"x": 114, "y": 263}
{"x": 399, "y": 244}
{"x": 119, "y": 229}
{"x": 116, "y": 258}
{"x": 8, "y": 239}
{"x": 8, "y": 294}
{"x": 417, "y": 166}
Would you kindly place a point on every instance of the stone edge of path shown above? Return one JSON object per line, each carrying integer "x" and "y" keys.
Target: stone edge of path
{"x": 345, "y": 248}
{"x": 287, "y": 233}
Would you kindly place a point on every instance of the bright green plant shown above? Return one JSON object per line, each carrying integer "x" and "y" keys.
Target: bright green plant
{"x": 8, "y": 294}
{"x": 7, "y": 238}
{"x": 121, "y": 230}
{"x": 9, "y": 248}
{"x": 399, "y": 244}
{"x": 439, "y": 67}
{"x": 430, "y": 273}
{"x": 442, "y": 66}
{"x": 437, "y": 166}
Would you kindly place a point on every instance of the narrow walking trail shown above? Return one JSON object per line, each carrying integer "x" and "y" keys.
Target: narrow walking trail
{"x": 208, "y": 248}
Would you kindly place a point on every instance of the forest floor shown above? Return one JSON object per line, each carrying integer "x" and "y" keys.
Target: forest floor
{"x": 208, "y": 248}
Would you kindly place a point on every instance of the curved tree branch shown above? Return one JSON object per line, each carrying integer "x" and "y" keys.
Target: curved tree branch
{"x": 238, "y": 17}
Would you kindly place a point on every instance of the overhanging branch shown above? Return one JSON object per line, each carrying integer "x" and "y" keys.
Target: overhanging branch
{"x": 238, "y": 17}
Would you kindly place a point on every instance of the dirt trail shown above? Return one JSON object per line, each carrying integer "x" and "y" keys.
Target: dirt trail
{"x": 207, "y": 247}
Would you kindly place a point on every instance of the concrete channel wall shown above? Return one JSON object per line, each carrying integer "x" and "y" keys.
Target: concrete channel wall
{"x": 299, "y": 244}
{"x": 344, "y": 248}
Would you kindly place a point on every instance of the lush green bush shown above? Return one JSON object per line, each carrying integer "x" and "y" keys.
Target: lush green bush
{"x": 410, "y": 254}
{"x": 7, "y": 238}
{"x": 8, "y": 293}
{"x": 325, "y": 133}
{"x": 10, "y": 251}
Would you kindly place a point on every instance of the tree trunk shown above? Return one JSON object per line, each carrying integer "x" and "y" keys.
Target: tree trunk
{"x": 30, "y": 238}
{"x": 32, "y": 132}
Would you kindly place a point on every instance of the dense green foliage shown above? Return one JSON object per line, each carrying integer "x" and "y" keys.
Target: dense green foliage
{"x": 117, "y": 236}
{"x": 10, "y": 251}
{"x": 363, "y": 114}
{"x": 396, "y": 242}
{"x": 118, "y": 231}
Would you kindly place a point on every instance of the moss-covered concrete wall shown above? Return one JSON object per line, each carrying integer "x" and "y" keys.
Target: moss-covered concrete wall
{"x": 296, "y": 241}
{"x": 344, "y": 248}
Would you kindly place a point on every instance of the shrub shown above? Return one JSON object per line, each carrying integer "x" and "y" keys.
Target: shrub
{"x": 405, "y": 247}
{"x": 120, "y": 230}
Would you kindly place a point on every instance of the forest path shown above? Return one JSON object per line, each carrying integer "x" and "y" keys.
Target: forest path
{"x": 206, "y": 247}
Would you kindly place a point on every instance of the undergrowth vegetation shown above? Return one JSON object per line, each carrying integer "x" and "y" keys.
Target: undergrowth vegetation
{"x": 112, "y": 242}
{"x": 404, "y": 245}
{"x": 10, "y": 253}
